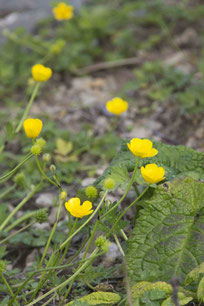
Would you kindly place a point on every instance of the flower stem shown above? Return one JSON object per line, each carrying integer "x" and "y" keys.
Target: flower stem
{"x": 123, "y": 234}
{"x": 67, "y": 246}
{"x": 8, "y": 175}
{"x": 133, "y": 203}
{"x": 45, "y": 176}
{"x": 7, "y": 191}
{"x": 87, "y": 221}
{"x": 19, "y": 206}
{"x": 119, "y": 245}
{"x": 25, "y": 114}
{"x": 65, "y": 283}
{"x": 126, "y": 192}
{"x": 51, "y": 234}
{"x": 8, "y": 287}
{"x": 17, "y": 232}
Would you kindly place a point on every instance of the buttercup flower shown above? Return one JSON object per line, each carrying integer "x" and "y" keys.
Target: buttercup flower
{"x": 142, "y": 147}
{"x": 117, "y": 106}
{"x": 32, "y": 127}
{"x": 152, "y": 173}
{"x": 41, "y": 73}
{"x": 63, "y": 11}
{"x": 77, "y": 210}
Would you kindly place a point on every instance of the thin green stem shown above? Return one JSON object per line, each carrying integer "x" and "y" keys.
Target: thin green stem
{"x": 8, "y": 175}
{"x": 45, "y": 176}
{"x": 17, "y": 232}
{"x": 123, "y": 234}
{"x": 86, "y": 222}
{"x": 7, "y": 191}
{"x": 23, "y": 218}
{"x": 119, "y": 245}
{"x": 124, "y": 212}
{"x": 19, "y": 206}
{"x": 65, "y": 283}
{"x": 67, "y": 246}
{"x": 84, "y": 256}
{"x": 51, "y": 234}
{"x": 8, "y": 287}
{"x": 25, "y": 114}
{"x": 126, "y": 192}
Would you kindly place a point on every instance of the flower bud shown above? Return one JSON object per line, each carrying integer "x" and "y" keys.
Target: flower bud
{"x": 91, "y": 192}
{"x": 63, "y": 195}
{"x": 109, "y": 183}
{"x": 46, "y": 157}
{"x": 20, "y": 179}
{"x": 52, "y": 168}
{"x": 102, "y": 243}
{"x": 2, "y": 265}
{"x": 41, "y": 215}
{"x": 36, "y": 149}
{"x": 41, "y": 142}
{"x": 107, "y": 203}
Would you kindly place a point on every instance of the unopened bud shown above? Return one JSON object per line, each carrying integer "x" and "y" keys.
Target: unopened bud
{"x": 41, "y": 215}
{"x": 46, "y": 157}
{"x": 2, "y": 266}
{"x": 36, "y": 149}
{"x": 91, "y": 192}
{"x": 41, "y": 142}
{"x": 102, "y": 243}
{"x": 20, "y": 179}
{"x": 63, "y": 195}
{"x": 52, "y": 168}
{"x": 109, "y": 183}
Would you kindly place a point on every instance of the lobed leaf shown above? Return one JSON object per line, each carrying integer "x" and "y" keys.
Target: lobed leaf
{"x": 99, "y": 298}
{"x": 168, "y": 239}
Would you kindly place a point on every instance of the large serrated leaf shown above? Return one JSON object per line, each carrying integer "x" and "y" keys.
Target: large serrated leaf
{"x": 99, "y": 298}
{"x": 168, "y": 239}
{"x": 176, "y": 160}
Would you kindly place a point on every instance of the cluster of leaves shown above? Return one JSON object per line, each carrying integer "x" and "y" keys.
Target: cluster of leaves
{"x": 145, "y": 24}
{"x": 167, "y": 240}
{"x": 160, "y": 82}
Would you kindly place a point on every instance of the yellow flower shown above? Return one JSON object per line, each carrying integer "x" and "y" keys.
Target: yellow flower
{"x": 152, "y": 173}
{"x": 32, "y": 127}
{"x": 142, "y": 147}
{"x": 41, "y": 73}
{"x": 77, "y": 210}
{"x": 63, "y": 11}
{"x": 117, "y": 106}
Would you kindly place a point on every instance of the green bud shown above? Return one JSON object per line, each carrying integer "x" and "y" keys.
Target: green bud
{"x": 41, "y": 142}
{"x": 91, "y": 192}
{"x": 107, "y": 203}
{"x": 20, "y": 179}
{"x": 41, "y": 215}
{"x": 52, "y": 168}
{"x": 36, "y": 149}
{"x": 63, "y": 195}
{"x": 102, "y": 243}
{"x": 109, "y": 183}
{"x": 46, "y": 157}
{"x": 58, "y": 46}
{"x": 2, "y": 265}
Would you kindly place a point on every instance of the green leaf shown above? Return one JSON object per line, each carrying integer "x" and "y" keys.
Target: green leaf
{"x": 176, "y": 160}
{"x": 194, "y": 274}
{"x": 183, "y": 300}
{"x": 99, "y": 298}
{"x": 200, "y": 291}
{"x": 120, "y": 175}
{"x": 168, "y": 239}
